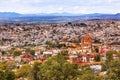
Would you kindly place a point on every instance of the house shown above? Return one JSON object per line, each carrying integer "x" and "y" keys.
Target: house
{"x": 81, "y": 58}
{"x": 27, "y": 57}
{"x": 18, "y": 59}
{"x": 49, "y": 52}
{"x": 103, "y": 49}
{"x": 55, "y": 51}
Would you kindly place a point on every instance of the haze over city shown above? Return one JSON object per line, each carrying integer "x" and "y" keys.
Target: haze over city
{"x": 60, "y": 6}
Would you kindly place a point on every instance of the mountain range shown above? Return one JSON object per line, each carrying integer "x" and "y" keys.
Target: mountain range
{"x": 53, "y": 17}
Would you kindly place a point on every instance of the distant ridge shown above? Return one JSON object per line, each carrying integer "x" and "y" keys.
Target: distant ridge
{"x": 9, "y": 14}
{"x": 53, "y": 17}
{"x": 14, "y": 14}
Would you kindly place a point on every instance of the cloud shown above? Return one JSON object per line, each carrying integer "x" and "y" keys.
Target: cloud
{"x": 51, "y": 6}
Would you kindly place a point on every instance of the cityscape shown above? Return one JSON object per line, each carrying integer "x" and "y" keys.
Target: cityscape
{"x": 52, "y": 40}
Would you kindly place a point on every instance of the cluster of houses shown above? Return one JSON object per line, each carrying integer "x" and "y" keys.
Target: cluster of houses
{"x": 83, "y": 52}
{"x": 17, "y": 35}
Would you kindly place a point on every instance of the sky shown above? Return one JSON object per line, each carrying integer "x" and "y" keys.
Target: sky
{"x": 60, "y": 6}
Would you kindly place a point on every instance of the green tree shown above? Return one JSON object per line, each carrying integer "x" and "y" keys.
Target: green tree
{"x": 118, "y": 54}
{"x": 109, "y": 55}
{"x": 9, "y": 75}
{"x": 30, "y": 51}
{"x": 60, "y": 45}
{"x": 24, "y": 71}
{"x": 51, "y": 44}
{"x": 57, "y": 68}
{"x": 112, "y": 66}
{"x": 11, "y": 51}
{"x": 11, "y": 65}
{"x": 3, "y": 66}
{"x": 109, "y": 58}
{"x": 83, "y": 24}
{"x": 6, "y": 74}
{"x": 97, "y": 57}
{"x": 2, "y": 75}
{"x": 34, "y": 71}
{"x": 113, "y": 73}
{"x": 17, "y": 52}
{"x": 87, "y": 74}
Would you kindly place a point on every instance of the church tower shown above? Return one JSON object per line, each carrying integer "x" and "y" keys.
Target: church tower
{"x": 86, "y": 43}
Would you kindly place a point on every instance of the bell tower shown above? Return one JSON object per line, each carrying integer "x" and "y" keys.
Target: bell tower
{"x": 86, "y": 43}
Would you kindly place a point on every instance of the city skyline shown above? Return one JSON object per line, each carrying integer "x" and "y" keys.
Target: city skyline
{"x": 53, "y": 6}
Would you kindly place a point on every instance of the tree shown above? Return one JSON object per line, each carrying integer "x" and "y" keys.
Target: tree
{"x": 57, "y": 68}
{"x": 60, "y": 45}
{"x": 69, "y": 23}
{"x": 3, "y": 66}
{"x": 23, "y": 71}
{"x": 109, "y": 55}
{"x": 11, "y": 51}
{"x": 83, "y": 24}
{"x": 30, "y": 51}
{"x": 3, "y": 52}
{"x": 96, "y": 50}
{"x": 17, "y": 52}
{"x": 112, "y": 66}
{"x": 34, "y": 72}
{"x": 113, "y": 73}
{"x": 9, "y": 75}
{"x": 11, "y": 65}
{"x": 2, "y": 76}
{"x": 109, "y": 58}
{"x": 6, "y": 74}
{"x": 97, "y": 57}
{"x": 118, "y": 54}
{"x": 87, "y": 74}
{"x": 51, "y": 44}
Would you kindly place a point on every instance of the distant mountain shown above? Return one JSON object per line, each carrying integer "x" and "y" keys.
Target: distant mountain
{"x": 52, "y": 14}
{"x": 106, "y": 16}
{"x": 53, "y": 17}
{"x": 62, "y": 14}
{"x": 13, "y": 14}
{"x": 9, "y": 14}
